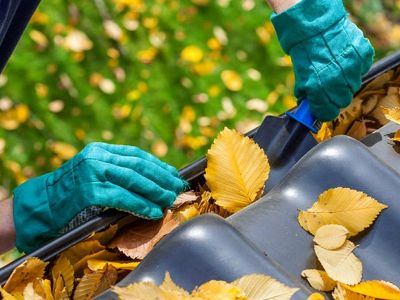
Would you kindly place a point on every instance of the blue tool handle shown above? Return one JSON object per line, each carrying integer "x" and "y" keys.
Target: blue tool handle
{"x": 302, "y": 114}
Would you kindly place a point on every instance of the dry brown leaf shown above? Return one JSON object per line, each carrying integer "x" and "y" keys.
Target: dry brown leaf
{"x": 331, "y": 236}
{"x": 185, "y": 198}
{"x": 97, "y": 264}
{"x": 316, "y": 296}
{"x": 370, "y": 104}
{"x": 259, "y": 286}
{"x": 319, "y": 280}
{"x": 207, "y": 204}
{"x": 392, "y": 114}
{"x": 138, "y": 240}
{"x": 347, "y": 116}
{"x": 106, "y": 235}
{"x": 340, "y": 264}
{"x": 353, "y": 209}
{"x": 237, "y": 169}
{"x": 29, "y": 293}
{"x": 25, "y": 273}
{"x": 219, "y": 290}
{"x": 62, "y": 267}
{"x": 95, "y": 283}
{"x": 375, "y": 289}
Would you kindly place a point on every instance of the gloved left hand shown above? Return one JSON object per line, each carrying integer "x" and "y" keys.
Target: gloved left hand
{"x": 121, "y": 177}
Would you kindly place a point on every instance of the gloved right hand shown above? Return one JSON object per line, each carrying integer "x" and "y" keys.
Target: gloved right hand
{"x": 328, "y": 51}
{"x": 122, "y": 177}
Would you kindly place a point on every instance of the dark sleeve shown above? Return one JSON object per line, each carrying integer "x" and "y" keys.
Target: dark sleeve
{"x": 14, "y": 17}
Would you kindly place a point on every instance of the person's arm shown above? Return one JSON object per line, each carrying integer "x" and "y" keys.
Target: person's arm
{"x": 281, "y": 5}
{"x": 7, "y": 229}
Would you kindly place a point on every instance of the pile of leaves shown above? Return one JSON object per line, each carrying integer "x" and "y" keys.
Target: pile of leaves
{"x": 366, "y": 112}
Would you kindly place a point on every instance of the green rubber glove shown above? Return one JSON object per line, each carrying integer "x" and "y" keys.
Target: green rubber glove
{"x": 328, "y": 51}
{"x": 121, "y": 177}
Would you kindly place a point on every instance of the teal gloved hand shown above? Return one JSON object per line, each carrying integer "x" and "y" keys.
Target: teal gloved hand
{"x": 121, "y": 177}
{"x": 328, "y": 51}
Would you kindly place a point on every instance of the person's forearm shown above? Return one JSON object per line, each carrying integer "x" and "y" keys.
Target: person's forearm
{"x": 280, "y": 5}
{"x": 7, "y": 229}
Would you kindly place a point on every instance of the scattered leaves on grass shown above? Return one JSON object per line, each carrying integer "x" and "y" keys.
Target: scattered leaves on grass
{"x": 25, "y": 273}
{"x": 340, "y": 264}
{"x": 235, "y": 180}
{"x": 331, "y": 236}
{"x": 353, "y": 209}
{"x": 319, "y": 280}
{"x": 138, "y": 240}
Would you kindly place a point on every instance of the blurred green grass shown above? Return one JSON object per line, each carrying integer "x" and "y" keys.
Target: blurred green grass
{"x": 114, "y": 71}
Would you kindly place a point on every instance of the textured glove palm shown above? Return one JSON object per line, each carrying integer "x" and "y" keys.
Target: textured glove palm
{"x": 329, "y": 54}
{"x": 121, "y": 177}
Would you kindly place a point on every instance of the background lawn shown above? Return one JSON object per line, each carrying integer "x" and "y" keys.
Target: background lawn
{"x": 164, "y": 75}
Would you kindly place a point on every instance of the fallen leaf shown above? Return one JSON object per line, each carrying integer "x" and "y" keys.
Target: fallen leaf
{"x": 29, "y": 293}
{"x": 207, "y": 204}
{"x": 102, "y": 255}
{"x": 392, "y": 114}
{"x": 259, "y": 287}
{"x": 319, "y": 280}
{"x": 232, "y": 80}
{"x": 340, "y": 264}
{"x": 316, "y": 296}
{"x": 105, "y": 236}
{"x": 396, "y": 137}
{"x": 169, "y": 286}
{"x": 185, "y": 198}
{"x": 82, "y": 249}
{"x": 331, "y": 236}
{"x": 59, "y": 290}
{"x": 358, "y": 130}
{"x": 97, "y": 264}
{"x": 140, "y": 291}
{"x": 342, "y": 294}
{"x": 43, "y": 288}
{"x": 237, "y": 169}
{"x": 138, "y": 240}
{"x": 62, "y": 267}
{"x": 6, "y": 296}
{"x": 219, "y": 290}
{"x": 95, "y": 283}
{"x": 375, "y": 289}
{"x": 186, "y": 212}
{"x": 389, "y": 101}
{"x": 353, "y": 209}
{"x": 324, "y": 133}
{"x": 25, "y": 273}
{"x": 347, "y": 116}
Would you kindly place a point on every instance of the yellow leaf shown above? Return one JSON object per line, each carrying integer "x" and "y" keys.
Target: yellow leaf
{"x": 207, "y": 204}
{"x": 232, "y": 80}
{"x": 396, "y": 137}
{"x": 258, "y": 286}
{"x": 324, "y": 133}
{"x": 59, "y": 290}
{"x": 343, "y": 206}
{"x": 192, "y": 54}
{"x": 186, "y": 212}
{"x": 319, "y": 280}
{"x": 169, "y": 286}
{"x": 392, "y": 114}
{"x": 62, "y": 267}
{"x": 63, "y": 150}
{"x": 43, "y": 288}
{"x": 82, "y": 249}
{"x": 29, "y": 293}
{"x": 376, "y": 289}
{"x": 341, "y": 293}
{"x": 358, "y": 130}
{"x": 95, "y": 283}
{"x": 140, "y": 291}
{"x": 106, "y": 235}
{"x": 101, "y": 255}
{"x": 6, "y": 296}
{"x": 389, "y": 101}
{"x": 219, "y": 290}
{"x": 98, "y": 264}
{"x": 331, "y": 236}
{"x": 237, "y": 169}
{"x": 340, "y": 264}
{"x": 316, "y": 296}
{"x": 25, "y": 273}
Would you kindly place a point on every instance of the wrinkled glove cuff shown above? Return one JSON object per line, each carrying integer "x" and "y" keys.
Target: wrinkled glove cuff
{"x": 305, "y": 20}
{"x": 33, "y": 219}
